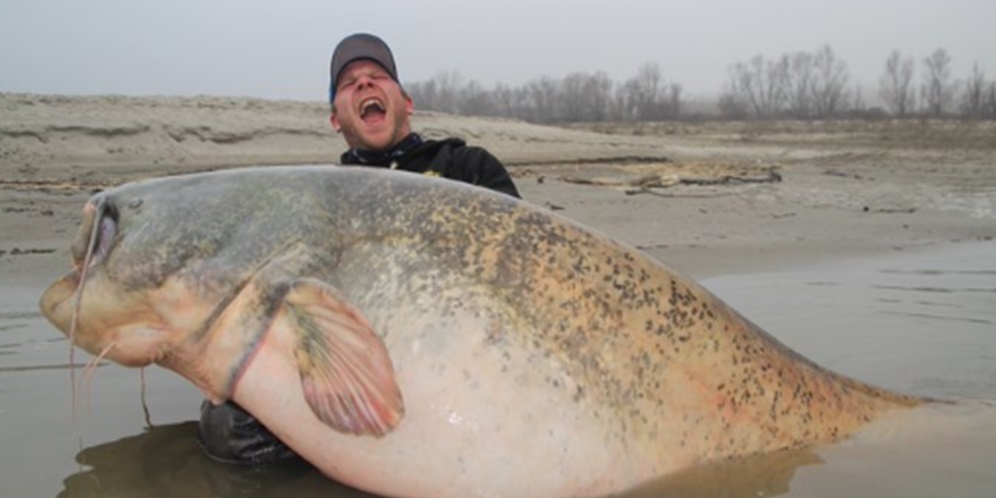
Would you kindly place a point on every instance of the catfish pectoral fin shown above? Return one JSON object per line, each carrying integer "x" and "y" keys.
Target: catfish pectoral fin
{"x": 346, "y": 373}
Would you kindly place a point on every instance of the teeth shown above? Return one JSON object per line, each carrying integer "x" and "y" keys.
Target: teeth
{"x": 368, "y": 104}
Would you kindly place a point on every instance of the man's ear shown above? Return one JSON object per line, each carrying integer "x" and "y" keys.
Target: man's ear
{"x": 409, "y": 105}
{"x": 335, "y": 122}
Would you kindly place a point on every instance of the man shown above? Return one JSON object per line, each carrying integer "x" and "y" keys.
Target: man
{"x": 372, "y": 112}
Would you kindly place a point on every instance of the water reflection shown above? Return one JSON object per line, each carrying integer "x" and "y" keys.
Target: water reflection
{"x": 760, "y": 475}
{"x": 166, "y": 461}
{"x": 918, "y": 323}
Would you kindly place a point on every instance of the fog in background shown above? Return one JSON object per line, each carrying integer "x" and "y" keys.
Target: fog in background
{"x": 280, "y": 49}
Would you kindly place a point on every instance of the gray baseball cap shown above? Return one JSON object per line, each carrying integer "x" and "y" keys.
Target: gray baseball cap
{"x": 360, "y": 46}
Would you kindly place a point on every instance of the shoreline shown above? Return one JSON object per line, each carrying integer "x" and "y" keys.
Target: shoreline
{"x": 719, "y": 199}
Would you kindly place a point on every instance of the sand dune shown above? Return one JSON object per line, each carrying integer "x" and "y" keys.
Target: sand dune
{"x": 59, "y": 137}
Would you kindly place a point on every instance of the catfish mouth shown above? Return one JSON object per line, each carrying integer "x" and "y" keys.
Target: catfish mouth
{"x": 111, "y": 321}
{"x": 61, "y": 301}
{"x": 96, "y": 236}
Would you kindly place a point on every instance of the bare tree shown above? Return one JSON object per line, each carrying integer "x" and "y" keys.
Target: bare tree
{"x": 736, "y": 100}
{"x": 627, "y": 101}
{"x": 599, "y": 89}
{"x": 441, "y": 93}
{"x": 542, "y": 94}
{"x": 424, "y": 93}
{"x": 858, "y": 104}
{"x": 973, "y": 99}
{"x": 643, "y": 92}
{"x": 896, "y": 84}
{"x": 572, "y": 97}
{"x": 732, "y": 107}
{"x": 474, "y": 100}
{"x": 829, "y": 82}
{"x": 619, "y": 107}
{"x": 579, "y": 96}
{"x": 759, "y": 85}
{"x": 799, "y": 85}
{"x": 512, "y": 102}
{"x": 504, "y": 98}
{"x": 584, "y": 97}
{"x": 989, "y": 108}
{"x": 672, "y": 101}
{"x": 937, "y": 91}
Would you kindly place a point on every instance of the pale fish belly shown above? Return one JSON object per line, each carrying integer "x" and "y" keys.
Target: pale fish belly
{"x": 481, "y": 419}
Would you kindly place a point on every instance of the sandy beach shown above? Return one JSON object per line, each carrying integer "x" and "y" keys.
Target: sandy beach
{"x": 770, "y": 193}
{"x": 735, "y": 205}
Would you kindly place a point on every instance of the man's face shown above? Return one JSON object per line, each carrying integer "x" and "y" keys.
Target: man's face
{"x": 370, "y": 109}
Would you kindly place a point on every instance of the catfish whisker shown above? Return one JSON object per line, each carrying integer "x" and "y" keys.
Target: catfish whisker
{"x": 145, "y": 404}
{"x": 90, "y": 368}
{"x": 78, "y": 297}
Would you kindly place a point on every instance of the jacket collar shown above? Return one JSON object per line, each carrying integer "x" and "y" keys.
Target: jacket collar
{"x": 383, "y": 157}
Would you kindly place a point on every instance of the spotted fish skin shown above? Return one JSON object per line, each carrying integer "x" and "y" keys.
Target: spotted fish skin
{"x": 526, "y": 354}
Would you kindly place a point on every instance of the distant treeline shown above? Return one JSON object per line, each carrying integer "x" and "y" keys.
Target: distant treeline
{"x": 801, "y": 85}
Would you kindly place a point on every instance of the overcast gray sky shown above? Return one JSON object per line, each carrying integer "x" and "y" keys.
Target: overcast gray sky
{"x": 280, "y": 48}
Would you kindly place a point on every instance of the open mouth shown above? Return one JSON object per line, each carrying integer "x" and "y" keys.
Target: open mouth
{"x": 96, "y": 234}
{"x": 372, "y": 109}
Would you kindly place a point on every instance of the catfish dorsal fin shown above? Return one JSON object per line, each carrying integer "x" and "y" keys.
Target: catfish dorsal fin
{"x": 346, "y": 373}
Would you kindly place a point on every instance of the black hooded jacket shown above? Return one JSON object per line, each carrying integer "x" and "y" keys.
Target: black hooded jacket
{"x": 450, "y": 158}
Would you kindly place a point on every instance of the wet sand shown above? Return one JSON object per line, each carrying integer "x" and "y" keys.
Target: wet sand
{"x": 874, "y": 255}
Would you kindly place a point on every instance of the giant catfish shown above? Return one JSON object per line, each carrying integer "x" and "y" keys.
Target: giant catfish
{"x": 420, "y": 337}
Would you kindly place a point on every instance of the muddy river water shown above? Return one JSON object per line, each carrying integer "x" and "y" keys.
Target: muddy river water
{"x": 922, "y": 322}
